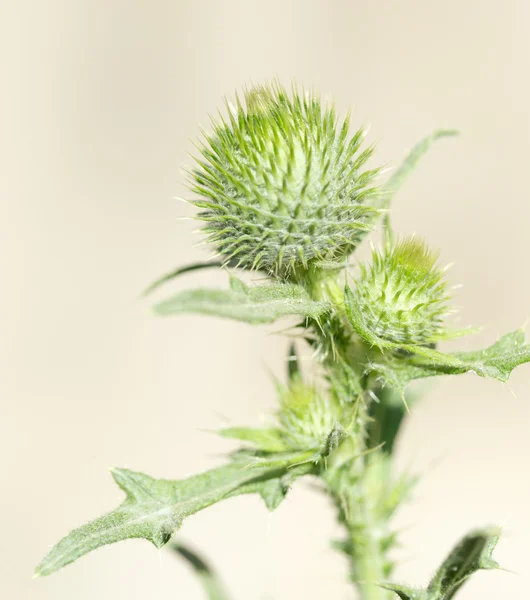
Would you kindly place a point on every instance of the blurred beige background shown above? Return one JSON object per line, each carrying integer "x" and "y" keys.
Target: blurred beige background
{"x": 100, "y": 102}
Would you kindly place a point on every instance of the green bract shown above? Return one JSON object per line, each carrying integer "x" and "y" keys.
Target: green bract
{"x": 403, "y": 295}
{"x": 282, "y": 185}
{"x": 282, "y": 189}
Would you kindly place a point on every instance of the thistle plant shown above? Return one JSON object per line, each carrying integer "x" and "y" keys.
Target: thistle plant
{"x": 283, "y": 189}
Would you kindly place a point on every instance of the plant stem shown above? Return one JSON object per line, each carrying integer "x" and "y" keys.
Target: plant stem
{"x": 348, "y": 474}
{"x": 346, "y": 478}
{"x": 366, "y": 552}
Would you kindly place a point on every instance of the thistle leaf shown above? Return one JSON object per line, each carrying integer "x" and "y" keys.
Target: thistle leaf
{"x": 267, "y": 439}
{"x": 154, "y": 508}
{"x": 496, "y": 361}
{"x": 397, "y": 374}
{"x": 181, "y": 271}
{"x": 258, "y": 304}
{"x": 500, "y": 359}
{"x": 211, "y": 584}
{"x": 405, "y": 592}
{"x": 471, "y": 554}
{"x": 409, "y": 164}
{"x": 405, "y": 169}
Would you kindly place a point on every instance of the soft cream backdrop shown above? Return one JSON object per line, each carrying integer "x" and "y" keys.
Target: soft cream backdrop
{"x": 100, "y": 101}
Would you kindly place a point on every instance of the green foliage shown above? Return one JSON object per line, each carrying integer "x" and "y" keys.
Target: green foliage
{"x": 471, "y": 554}
{"x": 269, "y": 439}
{"x": 399, "y": 177}
{"x": 281, "y": 183}
{"x": 396, "y": 364}
{"x": 283, "y": 188}
{"x": 385, "y": 418}
{"x": 411, "y": 162}
{"x": 405, "y": 592}
{"x": 211, "y": 584}
{"x": 497, "y": 362}
{"x": 307, "y": 422}
{"x": 257, "y": 304}
{"x": 181, "y": 271}
{"x": 155, "y": 508}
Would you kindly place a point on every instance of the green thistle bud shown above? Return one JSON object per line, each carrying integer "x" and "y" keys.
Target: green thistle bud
{"x": 308, "y": 420}
{"x": 402, "y": 294}
{"x": 281, "y": 184}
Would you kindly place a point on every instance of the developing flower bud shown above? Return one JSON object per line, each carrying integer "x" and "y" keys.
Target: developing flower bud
{"x": 307, "y": 419}
{"x": 402, "y": 294}
{"x": 281, "y": 185}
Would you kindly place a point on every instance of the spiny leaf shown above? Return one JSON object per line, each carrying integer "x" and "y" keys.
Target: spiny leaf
{"x": 267, "y": 439}
{"x": 405, "y": 592}
{"x": 496, "y": 361}
{"x": 258, "y": 304}
{"x": 154, "y": 508}
{"x": 402, "y": 173}
{"x": 274, "y": 490}
{"x": 180, "y": 271}
{"x": 500, "y": 359}
{"x": 409, "y": 164}
{"x": 268, "y": 460}
{"x": 213, "y": 587}
{"x": 472, "y": 553}
{"x": 396, "y": 374}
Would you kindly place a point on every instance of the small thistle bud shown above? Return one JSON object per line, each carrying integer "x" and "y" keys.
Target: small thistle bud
{"x": 402, "y": 294}
{"x": 307, "y": 419}
{"x": 281, "y": 184}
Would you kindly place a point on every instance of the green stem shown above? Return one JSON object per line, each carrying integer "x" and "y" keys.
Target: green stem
{"x": 367, "y": 555}
{"x": 346, "y": 478}
{"x": 348, "y": 475}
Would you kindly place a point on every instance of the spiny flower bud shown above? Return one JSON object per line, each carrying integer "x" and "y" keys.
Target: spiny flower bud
{"x": 307, "y": 419}
{"x": 402, "y": 294}
{"x": 281, "y": 184}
